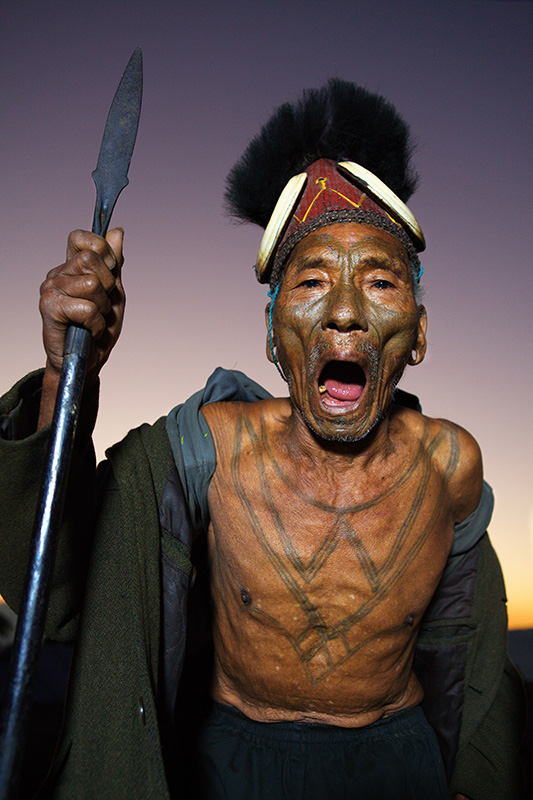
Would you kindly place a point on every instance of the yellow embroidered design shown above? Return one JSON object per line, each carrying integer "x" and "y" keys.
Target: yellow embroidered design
{"x": 323, "y": 188}
{"x": 322, "y": 182}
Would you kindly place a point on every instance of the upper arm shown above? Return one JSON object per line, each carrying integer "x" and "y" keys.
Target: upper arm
{"x": 466, "y": 480}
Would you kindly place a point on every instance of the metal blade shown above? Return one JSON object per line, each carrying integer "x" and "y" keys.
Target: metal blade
{"x": 111, "y": 173}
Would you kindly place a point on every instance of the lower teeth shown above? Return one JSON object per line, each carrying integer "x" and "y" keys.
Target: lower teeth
{"x": 322, "y": 389}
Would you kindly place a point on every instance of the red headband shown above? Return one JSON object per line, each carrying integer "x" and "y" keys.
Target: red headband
{"x": 323, "y": 189}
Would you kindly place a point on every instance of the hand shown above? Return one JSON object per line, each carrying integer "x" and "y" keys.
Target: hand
{"x": 460, "y": 797}
{"x": 83, "y": 291}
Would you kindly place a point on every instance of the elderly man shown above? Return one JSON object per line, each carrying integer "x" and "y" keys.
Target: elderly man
{"x": 358, "y": 609}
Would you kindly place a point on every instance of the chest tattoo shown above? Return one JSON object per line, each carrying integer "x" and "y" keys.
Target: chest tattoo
{"x": 321, "y": 643}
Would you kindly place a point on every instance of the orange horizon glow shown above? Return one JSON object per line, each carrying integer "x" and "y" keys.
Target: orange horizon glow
{"x": 519, "y": 608}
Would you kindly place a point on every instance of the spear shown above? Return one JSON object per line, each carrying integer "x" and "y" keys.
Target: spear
{"x": 110, "y": 177}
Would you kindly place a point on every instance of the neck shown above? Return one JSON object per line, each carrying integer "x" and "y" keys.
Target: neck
{"x": 304, "y": 444}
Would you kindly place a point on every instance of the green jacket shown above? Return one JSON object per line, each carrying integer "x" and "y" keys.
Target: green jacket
{"x": 119, "y": 587}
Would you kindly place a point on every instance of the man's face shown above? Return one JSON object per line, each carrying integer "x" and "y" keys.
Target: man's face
{"x": 345, "y": 324}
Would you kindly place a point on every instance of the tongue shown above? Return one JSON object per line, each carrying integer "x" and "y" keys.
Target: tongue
{"x": 343, "y": 391}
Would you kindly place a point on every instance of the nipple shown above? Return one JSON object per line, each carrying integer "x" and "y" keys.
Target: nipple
{"x": 246, "y": 597}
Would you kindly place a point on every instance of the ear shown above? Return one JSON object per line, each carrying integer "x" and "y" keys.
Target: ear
{"x": 418, "y": 350}
{"x": 269, "y": 354}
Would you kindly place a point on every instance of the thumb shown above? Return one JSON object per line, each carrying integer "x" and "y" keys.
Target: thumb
{"x": 115, "y": 239}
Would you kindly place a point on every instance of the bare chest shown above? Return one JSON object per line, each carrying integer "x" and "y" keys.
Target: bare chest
{"x": 330, "y": 579}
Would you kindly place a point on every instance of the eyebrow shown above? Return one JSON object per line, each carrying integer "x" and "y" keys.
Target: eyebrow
{"x": 308, "y": 262}
{"x": 386, "y": 262}
{"x": 397, "y": 266}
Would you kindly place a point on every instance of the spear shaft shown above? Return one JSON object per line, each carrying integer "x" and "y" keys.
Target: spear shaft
{"x": 110, "y": 177}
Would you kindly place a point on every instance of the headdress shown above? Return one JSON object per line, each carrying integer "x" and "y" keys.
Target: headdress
{"x": 339, "y": 154}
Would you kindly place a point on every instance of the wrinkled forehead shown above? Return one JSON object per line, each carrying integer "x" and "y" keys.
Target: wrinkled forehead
{"x": 350, "y": 243}
{"x": 351, "y": 238}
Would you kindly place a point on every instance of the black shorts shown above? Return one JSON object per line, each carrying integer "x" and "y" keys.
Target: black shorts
{"x": 393, "y": 759}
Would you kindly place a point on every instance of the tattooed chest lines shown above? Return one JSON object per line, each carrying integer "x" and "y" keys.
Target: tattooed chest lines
{"x": 322, "y": 635}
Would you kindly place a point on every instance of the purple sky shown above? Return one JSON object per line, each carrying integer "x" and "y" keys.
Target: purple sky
{"x": 460, "y": 73}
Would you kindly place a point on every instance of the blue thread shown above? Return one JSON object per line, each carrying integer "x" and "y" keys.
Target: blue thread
{"x": 273, "y": 296}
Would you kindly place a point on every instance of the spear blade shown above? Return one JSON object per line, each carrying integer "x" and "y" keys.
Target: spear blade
{"x": 111, "y": 173}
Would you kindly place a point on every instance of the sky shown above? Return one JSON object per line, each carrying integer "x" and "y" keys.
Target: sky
{"x": 459, "y": 72}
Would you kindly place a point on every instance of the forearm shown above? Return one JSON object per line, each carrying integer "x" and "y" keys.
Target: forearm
{"x": 49, "y": 394}
{"x": 48, "y": 397}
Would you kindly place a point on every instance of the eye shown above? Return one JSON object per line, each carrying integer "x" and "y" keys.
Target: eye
{"x": 381, "y": 283}
{"x": 310, "y": 283}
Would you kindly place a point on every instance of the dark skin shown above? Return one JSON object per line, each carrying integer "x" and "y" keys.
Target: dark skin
{"x": 85, "y": 290}
{"x": 347, "y": 296}
{"x": 332, "y": 511}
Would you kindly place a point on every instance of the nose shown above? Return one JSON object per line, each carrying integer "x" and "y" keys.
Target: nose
{"x": 345, "y": 310}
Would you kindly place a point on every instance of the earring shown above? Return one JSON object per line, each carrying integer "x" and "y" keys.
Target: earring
{"x": 271, "y": 344}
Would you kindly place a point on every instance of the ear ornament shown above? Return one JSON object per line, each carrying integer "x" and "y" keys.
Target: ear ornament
{"x": 273, "y": 295}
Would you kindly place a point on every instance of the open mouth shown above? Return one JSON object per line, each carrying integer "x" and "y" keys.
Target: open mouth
{"x": 341, "y": 384}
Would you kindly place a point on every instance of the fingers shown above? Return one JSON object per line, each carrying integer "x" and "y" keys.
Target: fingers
{"x": 75, "y": 312}
{"x": 78, "y": 300}
{"x": 85, "y": 240}
{"x": 89, "y": 253}
{"x": 78, "y": 292}
{"x": 115, "y": 240}
{"x": 85, "y": 291}
{"x": 92, "y": 267}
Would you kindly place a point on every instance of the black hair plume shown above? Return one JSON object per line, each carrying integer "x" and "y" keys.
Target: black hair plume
{"x": 340, "y": 121}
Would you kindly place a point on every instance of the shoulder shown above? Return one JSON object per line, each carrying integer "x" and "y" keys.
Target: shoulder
{"x": 454, "y": 453}
{"x": 223, "y": 418}
{"x": 222, "y": 413}
{"x": 459, "y": 459}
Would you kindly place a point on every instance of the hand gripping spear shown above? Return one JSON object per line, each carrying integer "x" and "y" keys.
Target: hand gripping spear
{"x": 110, "y": 177}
